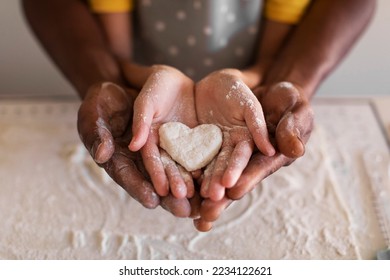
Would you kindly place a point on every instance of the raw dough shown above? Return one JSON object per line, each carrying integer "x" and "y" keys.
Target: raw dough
{"x": 192, "y": 148}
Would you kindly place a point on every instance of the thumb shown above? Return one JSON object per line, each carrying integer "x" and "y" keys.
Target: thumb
{"x": 103, "y": 148}
{"x": 94, "y": 129}
{"x": 293, "y": 130}
{"x": 254, "y": 119}
{"x": 142, "y": 121}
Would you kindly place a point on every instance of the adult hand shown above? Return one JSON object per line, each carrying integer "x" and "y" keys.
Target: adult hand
{"x": 222, "y": 98}
{"x": 104, "y": 125}
{"x": 166, "y": 95}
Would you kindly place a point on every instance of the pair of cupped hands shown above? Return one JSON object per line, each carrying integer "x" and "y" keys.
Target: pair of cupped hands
{"x": 264, "y": 128}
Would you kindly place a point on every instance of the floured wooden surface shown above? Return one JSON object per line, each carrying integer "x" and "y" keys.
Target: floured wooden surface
{"x": 56, "y": 204}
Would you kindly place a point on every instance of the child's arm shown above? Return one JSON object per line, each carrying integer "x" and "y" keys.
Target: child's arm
{"x": 118, "y": 32}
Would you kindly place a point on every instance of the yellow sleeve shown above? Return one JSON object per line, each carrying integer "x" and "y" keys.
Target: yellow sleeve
{"x": 285, "y": 11}
{"x": 111, "y": 6}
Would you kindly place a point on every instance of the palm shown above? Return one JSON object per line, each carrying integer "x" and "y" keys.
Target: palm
{"x": 288, "y": 115}
{"x": 223, "y": 99}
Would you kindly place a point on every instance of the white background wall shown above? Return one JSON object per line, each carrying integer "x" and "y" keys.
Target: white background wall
{"x": 25, "y": 69}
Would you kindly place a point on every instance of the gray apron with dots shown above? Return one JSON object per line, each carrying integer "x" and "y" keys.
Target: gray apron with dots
{"x": 197, "y": 36}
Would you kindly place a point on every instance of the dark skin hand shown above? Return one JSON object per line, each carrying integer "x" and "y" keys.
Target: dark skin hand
{"x": 77, "y": 44}
{"x": 75, "y": 41}
{"x": 104, "y": 125}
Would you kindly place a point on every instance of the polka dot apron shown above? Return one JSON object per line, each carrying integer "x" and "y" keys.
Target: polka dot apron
{"x": 197, "y": 36}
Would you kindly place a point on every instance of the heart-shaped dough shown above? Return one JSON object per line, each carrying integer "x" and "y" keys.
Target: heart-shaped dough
{"x": 191, "y": 148}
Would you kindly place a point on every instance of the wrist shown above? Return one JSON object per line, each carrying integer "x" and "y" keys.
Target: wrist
{"x": 320, "y": 41}
{"x": 307, "y": 77}
{"x": 251, "y": 76}
{"x": 101, "y": 67}
{"x": 137, "y": 75}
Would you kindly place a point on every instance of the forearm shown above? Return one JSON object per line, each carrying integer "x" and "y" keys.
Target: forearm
{"x": 72, "y": 37}
{"x": 273, "y": 36}
{"x": 118, "y": 30}
{"x": 320, "y": 42}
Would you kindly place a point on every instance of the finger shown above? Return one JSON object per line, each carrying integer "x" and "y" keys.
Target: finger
{"x": 202, "y": 225}
{"x": 176, "y": 183}
{"x": 237, "y": 163}
{"x": 142, "y": 120}
{"x": 204, "y": 180}
{"x": 180, "y": 208}
{"x": 255, "y": 122}
{"x": 153, "y": 104}
{"x": 115, "y": 104}
{"x": 259, "y": 167}
{"x": 195, "y": 202}
{"x": 196, "y": 174}
{"x": 210, "y": 210}
{"x": 188, "y": 180}
{"x": 288, "y": 137}
{"x": 153, "y": 165}
{"x": 293, "y": 130}
{"x": 124, "y": 172}
{"x": 216, "y": 190}
{"x": 199, "y": 180}
{"x": 103, "y": 147}
{"x": 103, "y": 115}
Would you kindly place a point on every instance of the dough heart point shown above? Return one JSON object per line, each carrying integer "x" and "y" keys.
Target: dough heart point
{"x": 191, "y": 148}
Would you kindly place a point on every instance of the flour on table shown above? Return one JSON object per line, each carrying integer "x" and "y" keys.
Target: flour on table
{"x": 55, "y": 203}
{"x": 192, "y": 148}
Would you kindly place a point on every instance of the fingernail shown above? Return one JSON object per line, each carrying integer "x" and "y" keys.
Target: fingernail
{"x": 101, "y": 152}
{"x": 271, "y": 151}
{"x": 201, "y": 225}
{"x": 94, "y": 149}
{"x": 133, "y": 145}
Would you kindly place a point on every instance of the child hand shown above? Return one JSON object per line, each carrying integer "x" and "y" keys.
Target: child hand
{"x": 222, "y": 98}
{"x": 289, "y": 118}
{"x": 166, "y": 95}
